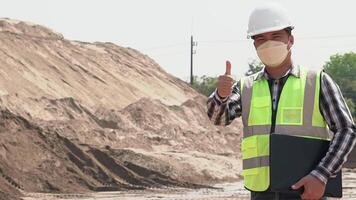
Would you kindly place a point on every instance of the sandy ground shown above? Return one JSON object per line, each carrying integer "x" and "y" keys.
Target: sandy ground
{"x": 226, "y": 191}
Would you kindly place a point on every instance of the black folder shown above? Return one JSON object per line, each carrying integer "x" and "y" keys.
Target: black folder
{"x": 294, "y": 157}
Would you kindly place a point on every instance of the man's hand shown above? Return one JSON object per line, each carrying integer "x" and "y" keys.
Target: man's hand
{"x": 225, "y": 82}
{"x": 313, "y": 187}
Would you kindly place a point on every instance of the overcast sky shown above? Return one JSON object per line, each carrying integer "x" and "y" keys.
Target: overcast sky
{"x": 162, "y": 28}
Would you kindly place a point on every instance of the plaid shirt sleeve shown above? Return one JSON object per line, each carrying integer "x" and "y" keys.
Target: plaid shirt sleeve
{"x": 224, "y": 111}
{"x": 340, "y": 122}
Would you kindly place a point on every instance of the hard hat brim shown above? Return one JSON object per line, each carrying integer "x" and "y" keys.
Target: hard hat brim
{"x": 266, "y": 30}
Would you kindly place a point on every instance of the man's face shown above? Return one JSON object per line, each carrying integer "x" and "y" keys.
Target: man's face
{"x": 280, "y": 35}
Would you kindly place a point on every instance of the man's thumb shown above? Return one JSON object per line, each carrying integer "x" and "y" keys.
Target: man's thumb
{"x": 299, "y": 184}
{"x": 228, "y": 68}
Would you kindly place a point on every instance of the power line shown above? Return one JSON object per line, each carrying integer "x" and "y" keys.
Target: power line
{"x": 223, "y": 41}
{"x": 246, "y": 40}
{"x": 169, "y": 54}
{"x": 326, "y": 37}
{"x": 299, "y": 38}
{"x": 165, "y": 46}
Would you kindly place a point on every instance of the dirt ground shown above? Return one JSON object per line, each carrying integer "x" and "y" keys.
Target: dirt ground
{"x": 226, "y": 191}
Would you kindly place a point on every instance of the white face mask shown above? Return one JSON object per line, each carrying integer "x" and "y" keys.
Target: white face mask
{"x": 272, "y": 53}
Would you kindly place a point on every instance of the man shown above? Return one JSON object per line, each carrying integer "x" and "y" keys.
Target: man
{"x": 275, "y": 104}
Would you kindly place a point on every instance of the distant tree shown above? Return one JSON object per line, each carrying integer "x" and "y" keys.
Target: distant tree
{"x": 253, "y": 67}
{"x": 205, "y": 84}
{"x": 342, "y": 68}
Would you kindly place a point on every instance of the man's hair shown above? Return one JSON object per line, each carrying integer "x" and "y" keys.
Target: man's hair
{"x": 288, "y": 30}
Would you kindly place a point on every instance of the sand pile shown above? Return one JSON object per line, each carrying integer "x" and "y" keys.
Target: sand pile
{"x": 79, "y": 117}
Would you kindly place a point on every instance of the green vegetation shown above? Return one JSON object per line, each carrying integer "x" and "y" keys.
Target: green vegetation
{"x": 342, "y": 68}
{"x": 254, "y": 67}
{"x": 206, "y": 85}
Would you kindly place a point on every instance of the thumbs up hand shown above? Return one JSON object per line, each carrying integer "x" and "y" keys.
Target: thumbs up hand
{"x": 225, "y": 82}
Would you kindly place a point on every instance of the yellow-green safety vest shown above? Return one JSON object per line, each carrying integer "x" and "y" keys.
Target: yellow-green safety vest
{"x": 297, "y": 114}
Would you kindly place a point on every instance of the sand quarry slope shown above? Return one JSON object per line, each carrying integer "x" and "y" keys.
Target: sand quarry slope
{"x": 79, "y": 117}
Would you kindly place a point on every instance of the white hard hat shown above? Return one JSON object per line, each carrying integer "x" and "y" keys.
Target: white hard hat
{"x": 267, "y": 18}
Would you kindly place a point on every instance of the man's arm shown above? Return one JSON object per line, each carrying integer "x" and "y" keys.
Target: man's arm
{"x": 222, "y": 111}
{"x": 340, "y": 122}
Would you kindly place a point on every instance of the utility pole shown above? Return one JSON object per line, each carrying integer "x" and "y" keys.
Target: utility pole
{"x": 192, "y": 52}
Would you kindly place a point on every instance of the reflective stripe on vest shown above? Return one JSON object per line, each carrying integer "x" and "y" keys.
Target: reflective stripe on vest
{"x": 298, "y": 114}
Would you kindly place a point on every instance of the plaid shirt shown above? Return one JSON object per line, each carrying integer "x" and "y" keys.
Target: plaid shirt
{"x": 332, "y": 106}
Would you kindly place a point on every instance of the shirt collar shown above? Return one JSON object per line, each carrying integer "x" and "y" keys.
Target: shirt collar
{"x": 294, "y": 70}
